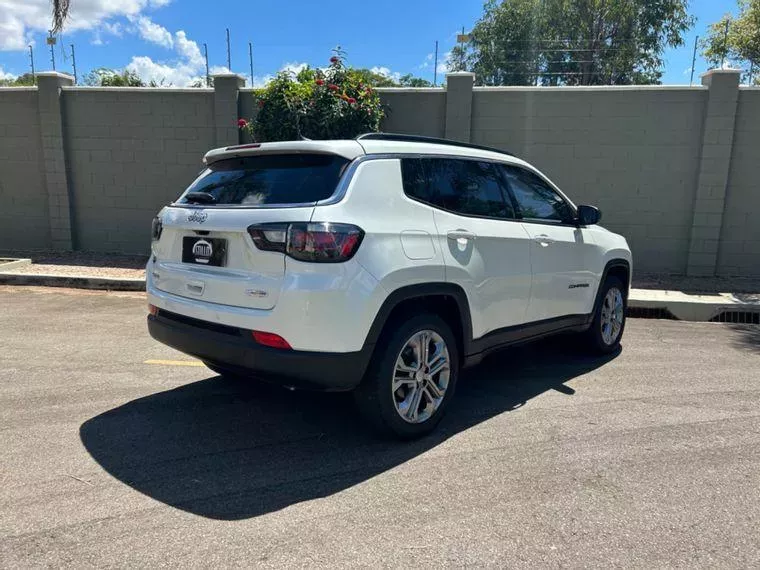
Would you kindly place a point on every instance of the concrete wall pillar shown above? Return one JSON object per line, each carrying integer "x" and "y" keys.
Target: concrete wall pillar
{"x": 717, "y": 144}
{"x": 226, "y": 90}
{"x": 459, "y": 105}
{"x": 49, "y": 84}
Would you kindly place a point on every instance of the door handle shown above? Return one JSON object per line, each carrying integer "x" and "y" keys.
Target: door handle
{"x": 460, "y": 234}
{"x": 543, "y": 239}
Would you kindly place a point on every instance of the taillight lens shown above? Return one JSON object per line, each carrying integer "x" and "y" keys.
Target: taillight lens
{"x": 321, "y": 242}
{"x": 270, "y": 339}
{"x": 156, "y": 228}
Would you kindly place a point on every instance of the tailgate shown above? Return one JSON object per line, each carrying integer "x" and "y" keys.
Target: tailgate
{"x": 215, "y": 260}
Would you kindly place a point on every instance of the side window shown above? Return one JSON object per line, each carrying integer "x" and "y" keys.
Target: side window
{"x": 465, "y": 187}
{"x": 535, "y": 198}
{"x": 415, "y": 180}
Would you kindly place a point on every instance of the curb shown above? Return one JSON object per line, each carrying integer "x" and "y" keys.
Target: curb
{"x": 13, "y": 264}
{"x": 695, "y": 307}
{"x": 98, "y": 283}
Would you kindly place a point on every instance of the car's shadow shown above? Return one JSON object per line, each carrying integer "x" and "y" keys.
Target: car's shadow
{"x": 229, "y": 450}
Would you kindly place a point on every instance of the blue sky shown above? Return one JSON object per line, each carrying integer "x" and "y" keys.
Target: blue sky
{"x": 164, "y": 38}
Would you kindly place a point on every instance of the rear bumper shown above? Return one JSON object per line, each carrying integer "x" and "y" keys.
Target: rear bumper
{"x": 235, "y": 349}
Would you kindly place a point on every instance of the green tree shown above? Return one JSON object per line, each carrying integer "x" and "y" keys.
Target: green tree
{"x": 332, "y": 103}
{"x": 104, "y": 77}
{"x": 410, "y": 80}
{"x": 742, "y": 44}
{"x": 373, "y": 79}
{"x": 24, "y": 80}
{"x": 573, "y": 42}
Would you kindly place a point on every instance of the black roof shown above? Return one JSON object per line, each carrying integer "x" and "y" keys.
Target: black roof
{"x": 420, "y": 139}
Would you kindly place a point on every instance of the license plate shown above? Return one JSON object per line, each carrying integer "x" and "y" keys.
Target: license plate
{"x": 204, "y": 251}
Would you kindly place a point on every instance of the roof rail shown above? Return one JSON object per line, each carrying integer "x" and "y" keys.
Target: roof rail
{"x": 420, "y": 139}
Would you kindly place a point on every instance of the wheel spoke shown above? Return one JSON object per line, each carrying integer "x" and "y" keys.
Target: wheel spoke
{"x": 441, "y": 364}
{"x": 424, "y": 348}
{"x": 401, "y": 382}
{"x": 414, "y": 404}
{"x": 432, "y": 389}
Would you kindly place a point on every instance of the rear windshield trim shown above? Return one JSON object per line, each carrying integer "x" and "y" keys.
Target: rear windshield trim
{"x": 346, "y": 172}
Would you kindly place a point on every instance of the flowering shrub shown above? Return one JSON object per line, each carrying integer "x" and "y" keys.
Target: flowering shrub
{"x": 331, "y": 103}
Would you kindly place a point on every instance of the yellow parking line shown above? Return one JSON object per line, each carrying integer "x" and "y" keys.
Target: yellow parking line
{"x": 175, "y": 362}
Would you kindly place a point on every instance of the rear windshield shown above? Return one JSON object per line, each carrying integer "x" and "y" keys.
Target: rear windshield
{"x": 269, "y": 179}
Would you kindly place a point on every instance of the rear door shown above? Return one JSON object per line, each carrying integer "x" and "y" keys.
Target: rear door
{"x": 205, "y": 250}
{"x": 563, "y": 255}
{"x": 486, "y": 250}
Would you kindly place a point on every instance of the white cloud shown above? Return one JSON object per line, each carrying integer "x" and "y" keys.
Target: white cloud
{"x": 106, "y": 28}
{"x": 187, "y": 68}
{"x": 294, "y": 67}
{"x": 6, "y": 75}
{"x": 428, "y": 62}
{"x": 189, "y": 50}
{"x": 381, "y": 70}
{"x": 154, "y": 33}
{"x": 444, "y": 65}
{"x": 177, "y": 75}
{"x": 20, "y": 18}
{"x": 261, "y": 80}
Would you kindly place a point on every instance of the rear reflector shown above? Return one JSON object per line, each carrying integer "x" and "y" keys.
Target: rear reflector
{"x": 153, "y": 310}
{"x": 270, "y": 339}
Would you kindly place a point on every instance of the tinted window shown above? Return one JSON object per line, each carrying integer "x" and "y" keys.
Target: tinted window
{"x": 416, "y": 181}
{"x": 270, "y": 179}
{"x": 466, "y": 187}
{"x": 535, "y": 198}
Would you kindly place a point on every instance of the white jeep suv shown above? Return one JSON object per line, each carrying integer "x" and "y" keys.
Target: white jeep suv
{"x": 381, "y": 265}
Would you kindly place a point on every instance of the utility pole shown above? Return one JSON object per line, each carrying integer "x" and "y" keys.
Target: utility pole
{"x": 751, "y": 71}
{"x": 51, "y": 42}
{"x": 693, "y": 61}
{"x": 74, "y": 63}
{"x": 229, "y": 62}
{"x": 250, "y": 59}
{"x": 205, "y": 53}
{"x": 725, "y": 45}
{"x": 31, "y": 61}
{"x": 435, "y": 65}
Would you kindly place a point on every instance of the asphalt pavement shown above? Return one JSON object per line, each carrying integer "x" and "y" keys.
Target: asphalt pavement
{"x": 117, "y": 451}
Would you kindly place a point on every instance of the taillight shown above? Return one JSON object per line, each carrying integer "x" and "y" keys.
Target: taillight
{"x": 322, "y": 242}
{"x": 156, "y": 228}
{"x": 270, "y": 339}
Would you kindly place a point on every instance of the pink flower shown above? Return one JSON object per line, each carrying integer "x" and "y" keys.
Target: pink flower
{"x": 351, "y": 100}
{"x": 332, "y": 87}
{"x": 242, "y": 123}
{"x": 320, "y": 82}
{"x": 334, "y": 59}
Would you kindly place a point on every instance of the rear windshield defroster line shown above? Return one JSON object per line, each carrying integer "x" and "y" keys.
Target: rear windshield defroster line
{"x": 253, "y": 181}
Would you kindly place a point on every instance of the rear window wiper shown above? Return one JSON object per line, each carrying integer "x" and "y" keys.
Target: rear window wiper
{"x": 200, "y": 198}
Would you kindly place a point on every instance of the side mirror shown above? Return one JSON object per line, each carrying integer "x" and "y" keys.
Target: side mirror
{"x": 588, "y": 215}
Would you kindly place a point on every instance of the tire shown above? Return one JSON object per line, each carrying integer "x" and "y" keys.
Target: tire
{"x": 605, "y": 333}
{"x": 381, "y": 406}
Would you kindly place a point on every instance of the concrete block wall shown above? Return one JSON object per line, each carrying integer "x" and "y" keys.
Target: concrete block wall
{"x": 633, "y": 152}
{"x": 23, "y": 194}
{"x": 130, "y": 152}
{"x": 672, "y": 168}
{"x": 414, "y": 111}
{"x": 739, "y": 239}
